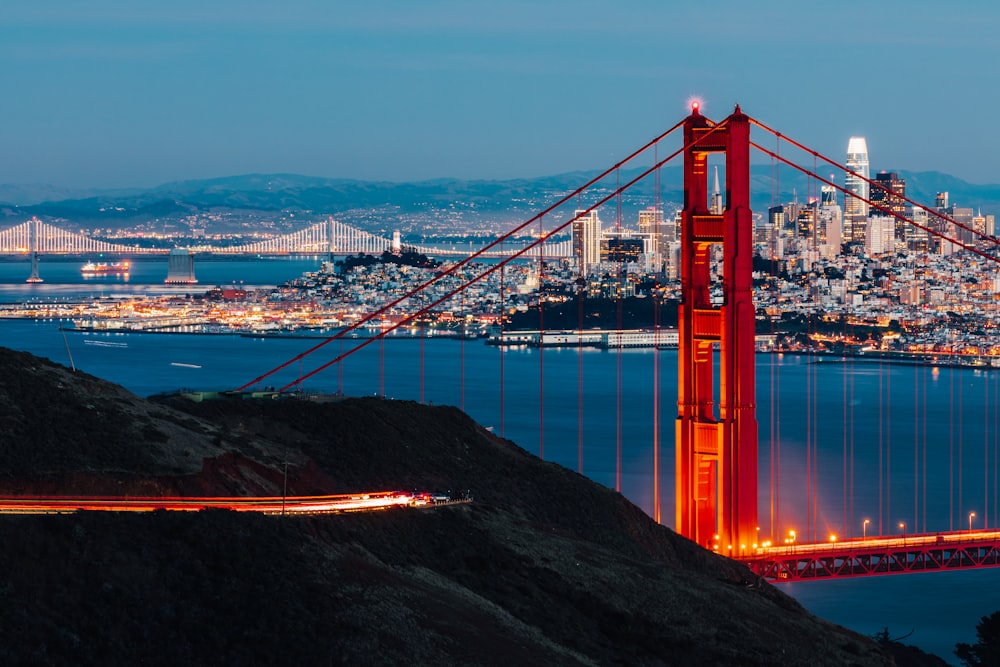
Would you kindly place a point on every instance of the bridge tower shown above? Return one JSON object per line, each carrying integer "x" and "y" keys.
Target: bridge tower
{"x": 331, "y": 240}
{"x": 717, "y": 447}
{"x": 33, "y": 250}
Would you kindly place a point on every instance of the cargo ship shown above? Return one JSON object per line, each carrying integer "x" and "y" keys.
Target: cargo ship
{"x": 91, "y": 269}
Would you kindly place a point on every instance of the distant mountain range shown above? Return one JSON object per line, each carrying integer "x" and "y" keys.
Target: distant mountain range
{"x": 453, "y": 199}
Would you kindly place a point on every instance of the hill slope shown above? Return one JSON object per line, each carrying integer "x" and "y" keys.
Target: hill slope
{"x": 454, "y": 201}
{"x": 545, "y": 567}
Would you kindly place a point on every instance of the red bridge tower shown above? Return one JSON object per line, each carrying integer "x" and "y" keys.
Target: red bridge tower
{"x": 717, "y": 448}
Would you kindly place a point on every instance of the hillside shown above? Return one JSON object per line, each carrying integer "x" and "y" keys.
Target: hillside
{"x": 545, "y": 567}
{"x": 453, "y": 203}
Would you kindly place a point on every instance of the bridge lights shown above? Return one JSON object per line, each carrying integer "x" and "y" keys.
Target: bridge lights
{"x": 972, "y": 515}
{"x": 833, "y": 538}
{"x": 864, "y": 529}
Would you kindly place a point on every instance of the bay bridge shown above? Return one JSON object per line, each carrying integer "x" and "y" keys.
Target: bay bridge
{"x": 718, "y": 457}
{"x": 36, "y": 237}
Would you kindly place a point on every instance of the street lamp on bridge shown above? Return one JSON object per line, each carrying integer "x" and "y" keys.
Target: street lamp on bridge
{"x": 902, "y": 527}
{"x": 972, "y": 515}
{"x": 864, "y": 529}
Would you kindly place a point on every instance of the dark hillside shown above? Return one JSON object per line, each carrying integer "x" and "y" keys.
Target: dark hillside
{"x": 367, "y": 444}
{"x": 545, "y": 567}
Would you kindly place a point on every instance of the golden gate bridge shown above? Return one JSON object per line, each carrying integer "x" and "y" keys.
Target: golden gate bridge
{"x": 717, "y": 454}
{"x": 327, "y": 237}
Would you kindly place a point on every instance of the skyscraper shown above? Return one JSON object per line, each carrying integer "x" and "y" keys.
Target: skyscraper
{"x": 587, "y": 241}
{"x": 856, "y": 206}
{"x": 890, "y": 196}
{"x": 716, "y": 205}
{"x": 830, "y": 222}
{"x": 651, "y": 222}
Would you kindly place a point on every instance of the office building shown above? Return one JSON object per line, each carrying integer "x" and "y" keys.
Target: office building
{"x": 888, "y": 197}
{"x": 880, "y": 235}
{"x": 856, "y": 184}
{"x": 587, "y": 241}
{"x": 829, "y": 222}
{"x": 651, "y": 223}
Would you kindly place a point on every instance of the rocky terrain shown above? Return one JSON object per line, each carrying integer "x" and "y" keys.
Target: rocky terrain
{"x": 544, "y": 567}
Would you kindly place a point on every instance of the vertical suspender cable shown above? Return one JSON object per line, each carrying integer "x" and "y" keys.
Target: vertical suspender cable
{"x": 461, "y": 357}
{"x": 579, "y": 385}
{"x": 996, "y": 440}
{"x": 916, "y": 447}
{"x": 421, "y": 334}
{"x": 618, "y": 372}
{"x": 580, "y": 289}
{"x": 881, "y": 453}
{"x": 986, "y": 450}
{"x": 657, "y": 222}
{"x": 809, "y": 450}
{"x": 775, "y": 372}
{"x": 656, "y": 404}
{"x": 951, "y": 449}
{"x": 541, "y": 345}
{"x": 888, "y": 442}
{"x": 850, "y": 371}
{"x": 381, "y": 358}
{"x": 340, "y": 370}
{"x": 961, "y": 418}
{"x": 923, "y": 446}
{"x": 501, "y": 346}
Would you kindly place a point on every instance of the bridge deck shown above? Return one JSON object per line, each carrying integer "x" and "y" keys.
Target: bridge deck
{"x": 878, "y": 556}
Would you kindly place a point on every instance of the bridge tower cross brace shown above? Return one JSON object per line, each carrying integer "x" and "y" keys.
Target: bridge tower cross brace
{"x": 716, "y": 465}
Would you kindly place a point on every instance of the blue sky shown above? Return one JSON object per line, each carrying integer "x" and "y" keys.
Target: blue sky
{"x": 113, "y": 93}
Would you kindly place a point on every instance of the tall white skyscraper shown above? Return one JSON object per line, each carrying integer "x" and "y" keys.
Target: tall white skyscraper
{"x": 856, "y": 207}
{"x": 587, "y": 241}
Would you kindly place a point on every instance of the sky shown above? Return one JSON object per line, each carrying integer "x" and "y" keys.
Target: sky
{"x": 120, "y": 93}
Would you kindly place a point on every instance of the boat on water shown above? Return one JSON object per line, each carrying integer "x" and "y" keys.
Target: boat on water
{"x": 92, "y": 269}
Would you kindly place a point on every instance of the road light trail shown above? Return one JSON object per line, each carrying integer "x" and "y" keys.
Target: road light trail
{"x": 355, "y": 502}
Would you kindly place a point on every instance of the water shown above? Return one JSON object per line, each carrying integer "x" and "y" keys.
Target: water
{"x": 62, "y": 277}
{"x": 897, "y": 412}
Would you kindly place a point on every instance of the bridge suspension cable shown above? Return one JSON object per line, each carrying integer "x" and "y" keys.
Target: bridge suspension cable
{"x": 930, "y": 230}
{"x": 50, "y": 239}
{"x": 498, "y": 242}
{"x": 700, "y": 139}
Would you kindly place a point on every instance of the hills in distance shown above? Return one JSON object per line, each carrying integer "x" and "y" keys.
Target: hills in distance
{"x": 460, "y": 201}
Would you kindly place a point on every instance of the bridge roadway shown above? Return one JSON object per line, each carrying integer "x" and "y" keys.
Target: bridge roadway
{"x": 925, "y": 552}
{"x": 356, "y": 502}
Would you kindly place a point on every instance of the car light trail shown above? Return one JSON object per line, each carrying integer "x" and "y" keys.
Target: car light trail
{"x": 355, "y": 502}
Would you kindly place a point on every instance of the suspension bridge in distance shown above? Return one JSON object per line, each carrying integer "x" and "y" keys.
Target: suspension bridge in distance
{"x": 717, "y": 454}
{"x": 330, "y": 237}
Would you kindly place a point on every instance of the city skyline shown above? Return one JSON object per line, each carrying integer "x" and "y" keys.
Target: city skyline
{"x": 114, "y": 95}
